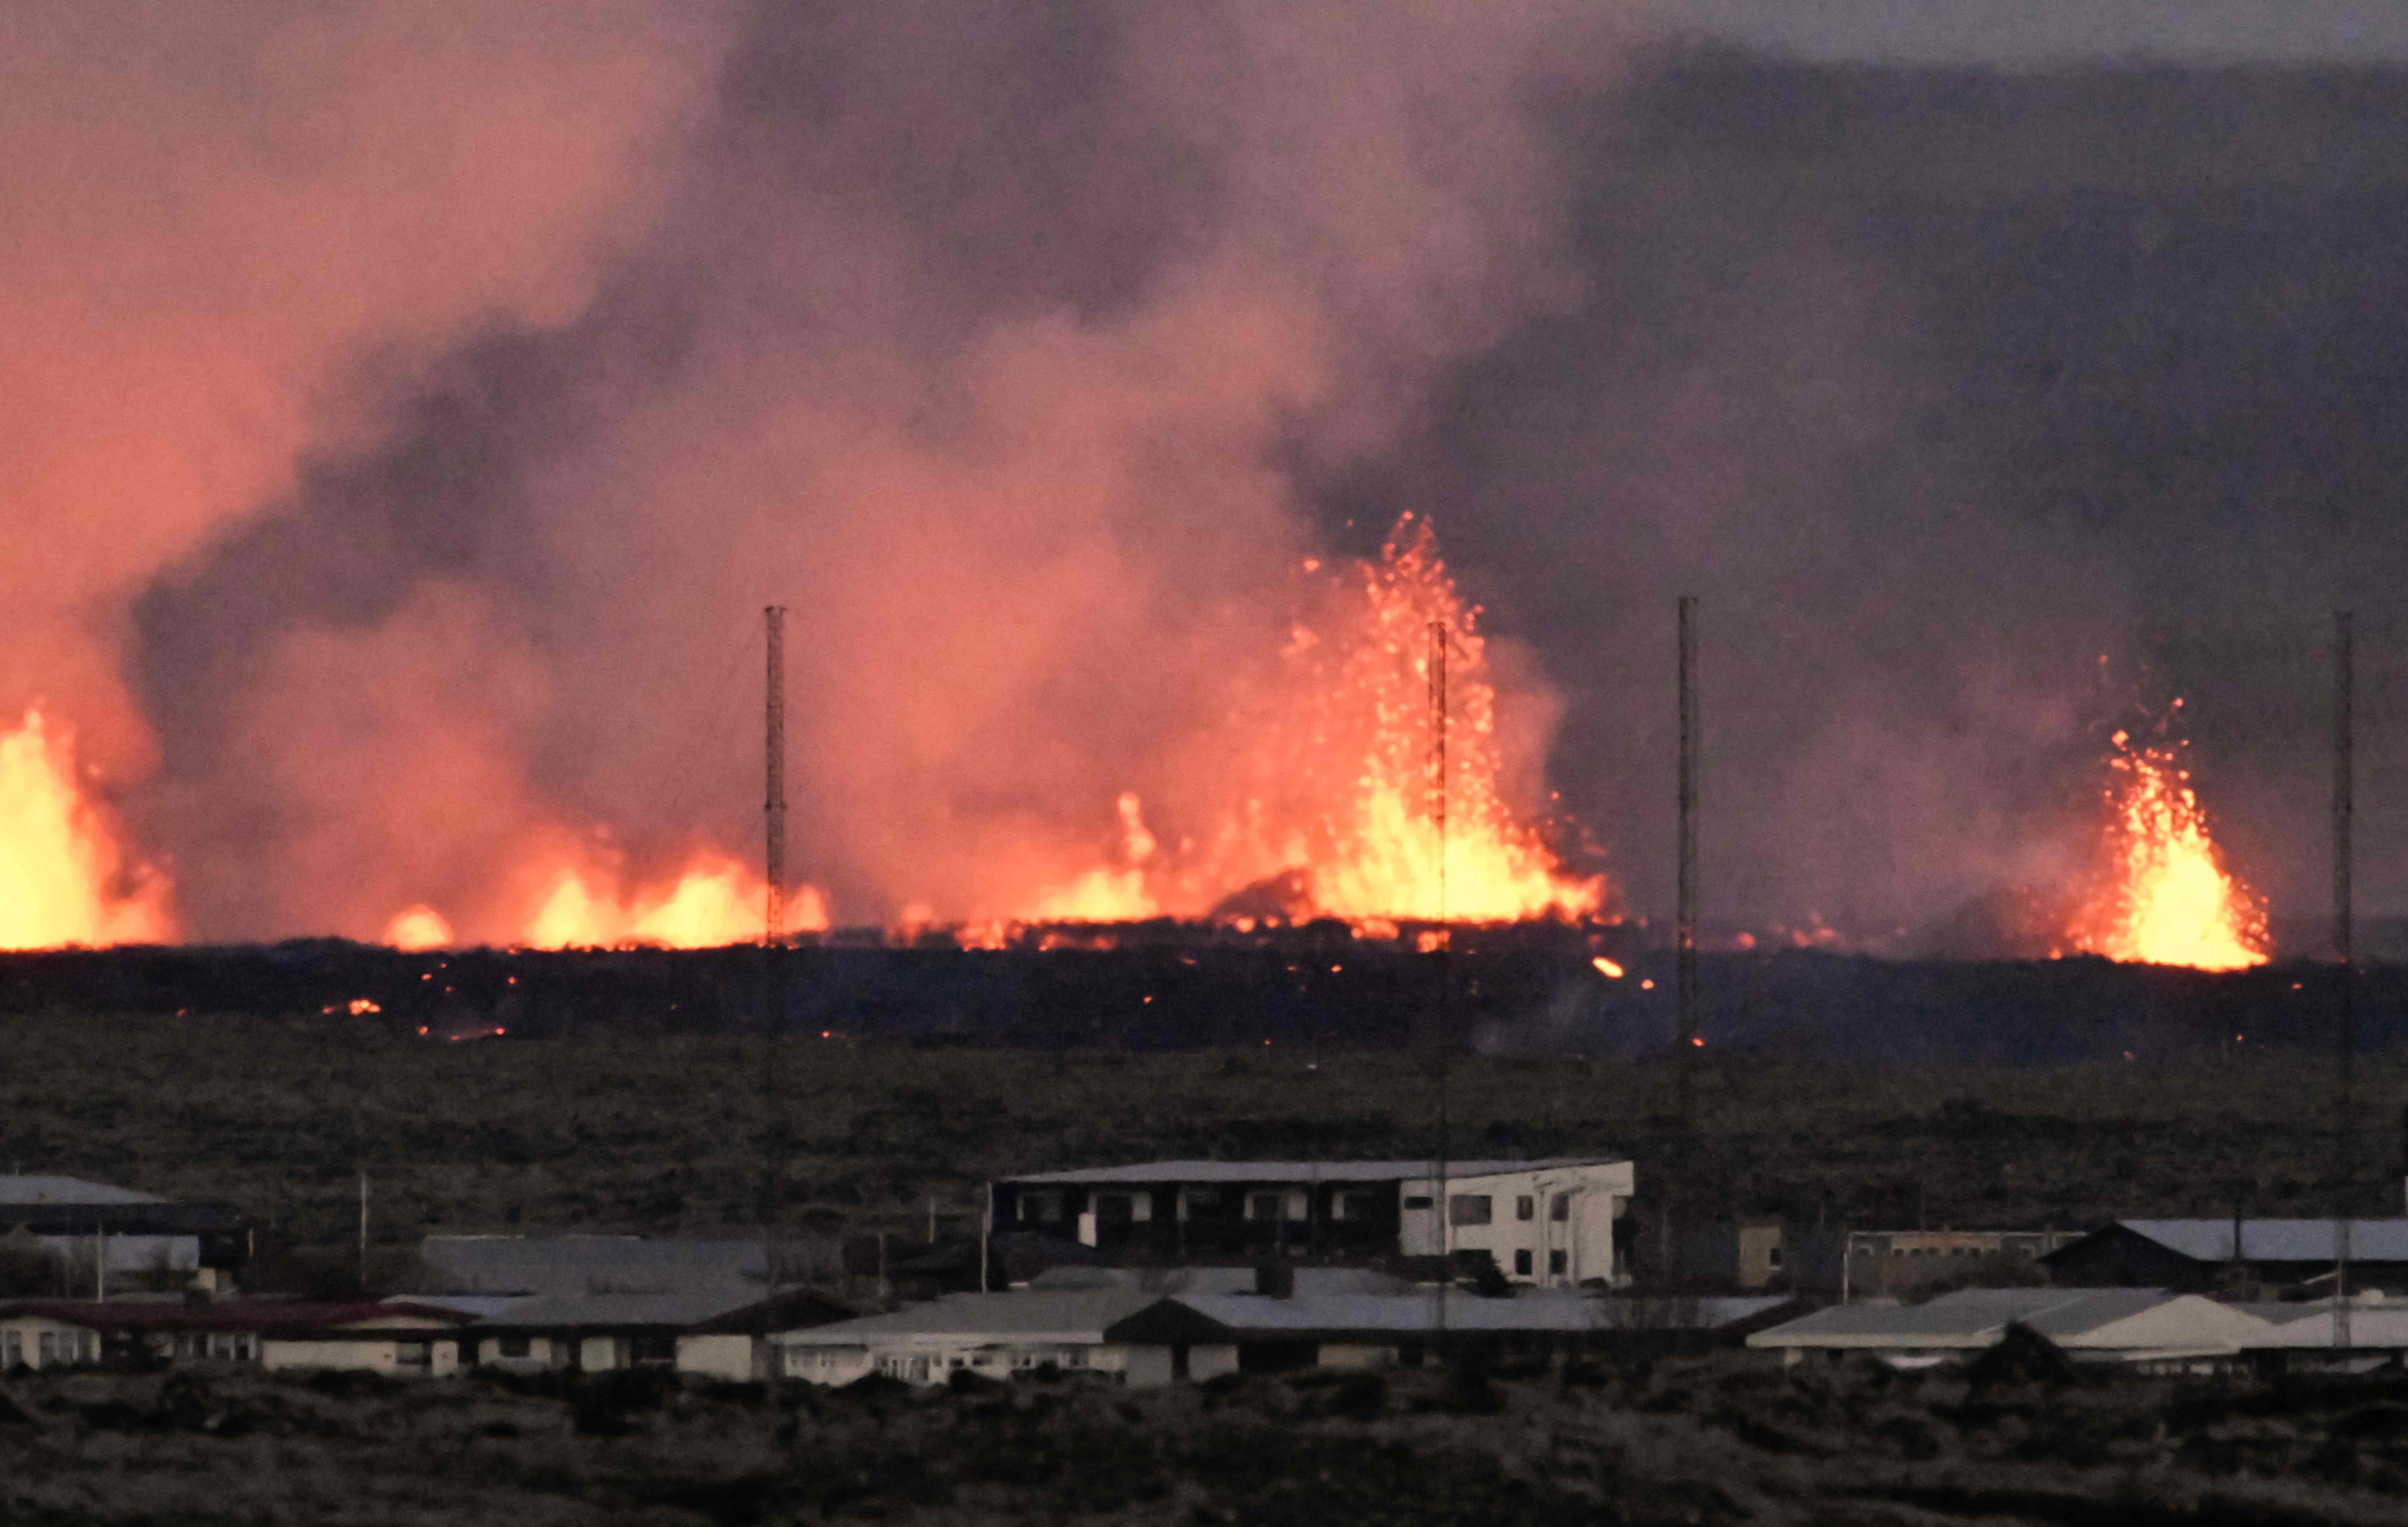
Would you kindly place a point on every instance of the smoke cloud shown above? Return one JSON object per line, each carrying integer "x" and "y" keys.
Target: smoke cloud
{"x": 420, "y": 410}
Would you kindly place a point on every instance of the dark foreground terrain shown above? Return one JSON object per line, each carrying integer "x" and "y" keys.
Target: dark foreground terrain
{"x": 668, "y": 1131}
{"x": 1731, "y": 1438}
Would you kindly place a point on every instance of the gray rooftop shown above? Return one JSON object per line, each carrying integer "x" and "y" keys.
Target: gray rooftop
{"x": 68, "y": 1190}
{"x": 1300, "y": 1172}
{"x": 1419, "y": 1313}
{"x": 593, "y": 1266}
{"x": 2275, "y": 1240}
{"x": 1978, "y": 1317}
{"x": 1163, "y": 1281}
{"x": 1073, "y": 1315}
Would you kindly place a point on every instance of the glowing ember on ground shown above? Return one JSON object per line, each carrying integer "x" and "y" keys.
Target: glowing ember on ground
{"x": 1336, "y": 815}
{"x": 716, "y": 901}
{"x": 2168, "y": 899}
{"x": 417, "y": 929}
{"x": 62, "y": 878}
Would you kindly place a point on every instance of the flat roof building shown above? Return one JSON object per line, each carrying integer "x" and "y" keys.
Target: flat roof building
{"x": 1549, "y": 1223}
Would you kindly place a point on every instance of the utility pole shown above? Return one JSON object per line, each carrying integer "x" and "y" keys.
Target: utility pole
{"x": 2343, "y": 807}
{"x": 364, "y": 1231}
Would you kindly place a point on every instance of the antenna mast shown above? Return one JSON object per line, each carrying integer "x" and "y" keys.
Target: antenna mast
{"x": 774, "y": 812}
{"x": 1685, "y": 929}
{"x": 1437, "y": 642}
{"x": 2344, "y": 951}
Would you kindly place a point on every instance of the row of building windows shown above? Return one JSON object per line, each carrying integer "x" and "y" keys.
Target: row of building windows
{"x": 48, "y": 1348}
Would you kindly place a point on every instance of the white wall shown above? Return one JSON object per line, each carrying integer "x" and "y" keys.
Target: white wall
{"x": 720, "y": 1356}
{"x": 376, "y": 1355}
{"x": 1586, "y": 1238}
{"x": 21, "y": 1341}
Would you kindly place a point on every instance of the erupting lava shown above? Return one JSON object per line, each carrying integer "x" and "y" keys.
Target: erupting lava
{"x": 1338, "y": 813}
{"x": 419, "y": 929}
{"x": 2168, "y": 899}
{"x": 62, "y": 880}
{"x": 716, "y": 901}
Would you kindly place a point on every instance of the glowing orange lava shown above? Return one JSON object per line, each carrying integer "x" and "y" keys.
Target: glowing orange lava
{"x": 418, "y": 929}
{"x": 2168, "y": 899}
{"x": 1336, "y": 812}
{"x": 716, "y": 901}
{"x": 62, "y": 878}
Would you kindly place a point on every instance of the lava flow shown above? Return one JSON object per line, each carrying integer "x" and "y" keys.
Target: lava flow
{"x": 1336, "y": 812}
{"x": 716, "y": 901}
{"x": 2168, "y": 899}
{"x": 62, "y": 880}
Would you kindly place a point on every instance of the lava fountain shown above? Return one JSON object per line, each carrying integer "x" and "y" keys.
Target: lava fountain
{"x": 62, "y": 878}
{"x": 2167, "y": 897}
{"x": 1331, "y": 747}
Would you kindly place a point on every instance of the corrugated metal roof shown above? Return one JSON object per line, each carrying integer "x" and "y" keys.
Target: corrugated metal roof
{"x": 1300, "y": 1172}
{"x": 68, "y": 1192}
{"x": 2275, "y": 1240}
{"x": 1065, "y": 1315}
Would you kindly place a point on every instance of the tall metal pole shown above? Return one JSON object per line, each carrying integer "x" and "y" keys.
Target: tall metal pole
{"x": 1685, "y": 931}
{"x": 774, "y": 812}
{"x": 2343, "y": 807}
{"x": 773, "y": 984}
{"x": 1438, "y": 643}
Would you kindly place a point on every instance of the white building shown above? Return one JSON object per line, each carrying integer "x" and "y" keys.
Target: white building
{"x": 275, "y": 1334}
{"x": 2147, "y": 1327}
{"x": 1549, "y": 1223}
{"x": 991, "y": 1335}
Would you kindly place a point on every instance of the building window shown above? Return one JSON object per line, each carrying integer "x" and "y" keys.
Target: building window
{"x": 516, "y": 1347}
{"x": 1773, "y": 1257}
{"x": 1417, "y": 1200}
{"x": 1560, "y": 1211}
{"x": 1522, "y": 1260}
{"x": 13, "y": 1351}
{"x": 1558, "y": 1263}
{"x": 50, "y": 1348}
{"x": 1359, "y": 1206}
{"x": 1470, "y": 1209}
{"x": 1263, "y": 1206}
{"x": 1525, "y": 1207}
{"x": 1040, "y": 1208}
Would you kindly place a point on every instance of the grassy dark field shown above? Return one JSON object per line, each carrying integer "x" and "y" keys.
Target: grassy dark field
{"x": 666, "y": 1131}
{"x": 1726, "y": 1438}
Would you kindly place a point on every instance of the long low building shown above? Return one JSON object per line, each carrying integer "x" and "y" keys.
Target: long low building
{"x": 2148, "y": 1326}
{"x": 989, "y": 1335}
{"x": 1145, "y": 1336}
{"x": 392, "y": 1337}
{"x": 1549, "y": 1223}
{"x": 2199, "y": 1255}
